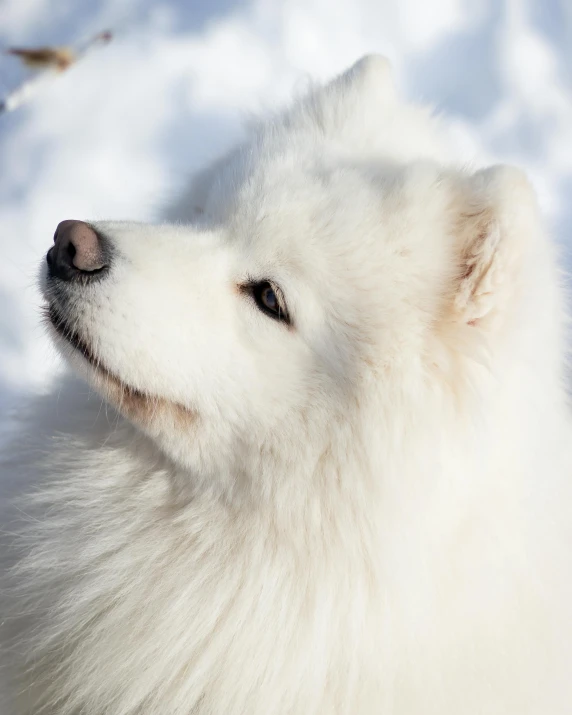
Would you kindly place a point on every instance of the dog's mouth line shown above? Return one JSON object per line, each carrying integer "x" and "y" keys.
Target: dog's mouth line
{"x": 65, "y": 331}
{"x": 132, "y": 400}
{"x": 71, "y": 336}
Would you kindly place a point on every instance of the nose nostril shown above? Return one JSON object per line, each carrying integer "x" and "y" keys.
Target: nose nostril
{"x": 71, "y": 250}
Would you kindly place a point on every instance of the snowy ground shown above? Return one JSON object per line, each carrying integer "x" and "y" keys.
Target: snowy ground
{"x": 116, "y": 135}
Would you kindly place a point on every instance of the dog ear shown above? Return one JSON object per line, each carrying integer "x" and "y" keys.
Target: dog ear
{"x": 370, "y": 78}
{"x": 496, "y": 217}
{"x": 351, "y": 102}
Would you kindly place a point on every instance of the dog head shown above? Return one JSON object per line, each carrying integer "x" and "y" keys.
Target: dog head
{"x": 330, "y": 272}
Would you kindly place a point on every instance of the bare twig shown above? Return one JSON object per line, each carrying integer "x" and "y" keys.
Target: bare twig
{"x": 41, "y": 58}
{"x": 46, "y": 61}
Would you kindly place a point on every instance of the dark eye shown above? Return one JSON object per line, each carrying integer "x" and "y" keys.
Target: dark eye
{"x": 270, "y": 300}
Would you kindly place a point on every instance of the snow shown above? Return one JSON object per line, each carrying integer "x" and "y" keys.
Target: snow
{"x": 117, "y": 135}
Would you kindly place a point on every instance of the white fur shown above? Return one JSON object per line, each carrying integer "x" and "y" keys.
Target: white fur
{"x": 365, "y": 512}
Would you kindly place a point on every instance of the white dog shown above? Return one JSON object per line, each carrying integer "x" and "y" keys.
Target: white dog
{"x": 334, "y": 476}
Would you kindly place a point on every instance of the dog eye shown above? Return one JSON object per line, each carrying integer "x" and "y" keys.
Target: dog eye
{"x": 270, "y": 300}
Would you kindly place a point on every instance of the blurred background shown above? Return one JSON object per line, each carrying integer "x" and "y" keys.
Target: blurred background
{"x": 117, "y": 134}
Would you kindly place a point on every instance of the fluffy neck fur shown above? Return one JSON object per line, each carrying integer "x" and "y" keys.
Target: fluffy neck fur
{"x": 344, "y": 619}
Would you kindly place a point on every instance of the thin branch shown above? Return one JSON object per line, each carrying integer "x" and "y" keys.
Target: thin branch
{"x": 48, "y": 62}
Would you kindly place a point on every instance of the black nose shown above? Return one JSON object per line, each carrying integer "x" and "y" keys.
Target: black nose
{"x": 78, "y": 252}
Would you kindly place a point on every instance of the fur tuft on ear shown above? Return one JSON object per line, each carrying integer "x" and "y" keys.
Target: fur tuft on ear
{"x": 352, "y": 103}
{"x": 368, "y": 77}
{"x": 496, "y": 219}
